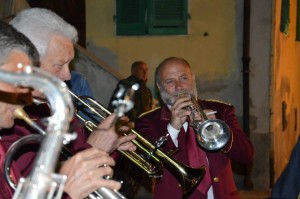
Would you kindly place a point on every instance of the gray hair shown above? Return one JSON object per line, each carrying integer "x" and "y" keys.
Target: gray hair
{"x": 11, "y": 41}
{"x": 39, "y": 24}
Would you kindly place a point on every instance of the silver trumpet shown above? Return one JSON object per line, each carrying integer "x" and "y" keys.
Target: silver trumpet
{"x": 42, "y": 181}
{"x": 211, "y": 134}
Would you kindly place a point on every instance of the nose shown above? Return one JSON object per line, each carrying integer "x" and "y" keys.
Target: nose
{"x": 178, "y": 85}
{"x": 65, "y": 73}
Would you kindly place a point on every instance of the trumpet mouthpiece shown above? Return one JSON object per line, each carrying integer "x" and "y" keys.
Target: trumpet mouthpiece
{"x": 19, "y": 113}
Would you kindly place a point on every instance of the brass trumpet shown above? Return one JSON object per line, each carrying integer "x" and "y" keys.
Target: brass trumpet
{"x": 187, "y": 176}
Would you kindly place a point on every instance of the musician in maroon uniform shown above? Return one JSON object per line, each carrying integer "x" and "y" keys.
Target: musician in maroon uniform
{"x": 174, "y": 76}
{"x": 16, "y": 50}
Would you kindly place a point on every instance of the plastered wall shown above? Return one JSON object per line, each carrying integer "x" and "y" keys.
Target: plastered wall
{"x": 285, "y": 88}
{"x": 260, "y": 55}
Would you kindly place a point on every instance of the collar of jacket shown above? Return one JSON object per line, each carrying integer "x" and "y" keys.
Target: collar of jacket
{"x": 165, "y": 113}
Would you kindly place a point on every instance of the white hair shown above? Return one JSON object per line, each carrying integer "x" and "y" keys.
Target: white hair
{"x": 39, "y": 24}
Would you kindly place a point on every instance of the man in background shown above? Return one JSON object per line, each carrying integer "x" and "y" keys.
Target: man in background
{"x": 143, "y": 96}
{"x": 137, "y": 182}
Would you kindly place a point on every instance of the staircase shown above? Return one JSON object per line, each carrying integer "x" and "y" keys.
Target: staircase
{"x": 101, "y": 77}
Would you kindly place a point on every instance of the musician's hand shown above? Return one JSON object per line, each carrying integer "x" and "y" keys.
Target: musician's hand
{"x": 106, "y": 138}
{"x": 125, "y": 143}
{"x": 123, "y": 128}
{"x": 124, "y": 125}
{"x": 85, "y": 172}
{"x": 178, "y": 113}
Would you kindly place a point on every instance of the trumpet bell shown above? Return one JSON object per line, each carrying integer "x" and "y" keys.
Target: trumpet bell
{"x": 213, "y": 134}
{"x": 192, "y": 178}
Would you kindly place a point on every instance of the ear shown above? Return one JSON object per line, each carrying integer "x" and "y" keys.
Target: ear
{"x": 193, "y": 76}
{"x": 158, "y": 86}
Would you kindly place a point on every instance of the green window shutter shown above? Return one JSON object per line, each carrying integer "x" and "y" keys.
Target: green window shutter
{"x": 285, "y": 16}
{"x": 167, "y": 17}
{"x": 298, "y": 22}
{"x": 131, "y": 17}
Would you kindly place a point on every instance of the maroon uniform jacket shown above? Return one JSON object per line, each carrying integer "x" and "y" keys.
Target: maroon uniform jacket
{"x": 153, "y": 125}
{"x": 25, "y": 158}
{"x": 6, "y": 192}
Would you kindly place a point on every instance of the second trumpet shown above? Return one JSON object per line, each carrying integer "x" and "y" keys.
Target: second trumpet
{"x": 152, "y": 160}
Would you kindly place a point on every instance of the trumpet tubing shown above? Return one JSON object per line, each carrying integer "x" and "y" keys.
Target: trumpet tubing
{"x": 101, "y": 112}
{"x": 188, "y": 177}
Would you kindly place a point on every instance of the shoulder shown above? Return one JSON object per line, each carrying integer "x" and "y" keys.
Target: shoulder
{"x": 214, "y": 103}
{"x": 77, "y": 79}
{"x": 128, "y": 81}
{"x": 77, "y": 75}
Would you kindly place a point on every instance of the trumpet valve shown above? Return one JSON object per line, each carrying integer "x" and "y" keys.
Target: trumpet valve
{"x": 157, "y": 145}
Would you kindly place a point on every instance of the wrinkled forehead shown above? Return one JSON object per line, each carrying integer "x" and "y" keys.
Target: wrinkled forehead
{"x": 173, "y": 68}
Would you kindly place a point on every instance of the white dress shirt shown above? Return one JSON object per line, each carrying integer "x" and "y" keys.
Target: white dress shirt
{"x": 174, "y": 135}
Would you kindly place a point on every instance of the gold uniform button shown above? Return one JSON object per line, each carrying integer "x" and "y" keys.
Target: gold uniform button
{"x": 216, "y": 179}
{"x": 179, "y": 185}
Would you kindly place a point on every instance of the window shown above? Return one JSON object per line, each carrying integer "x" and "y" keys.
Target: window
{"x": 151, "y": 17}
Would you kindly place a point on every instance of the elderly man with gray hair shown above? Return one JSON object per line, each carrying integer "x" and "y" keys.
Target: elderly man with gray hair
{"x": 15, "y": 50}
{"x": 54, "y": 39}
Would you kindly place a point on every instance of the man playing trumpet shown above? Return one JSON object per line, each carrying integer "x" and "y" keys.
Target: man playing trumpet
{"x": 174, "y": 77}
